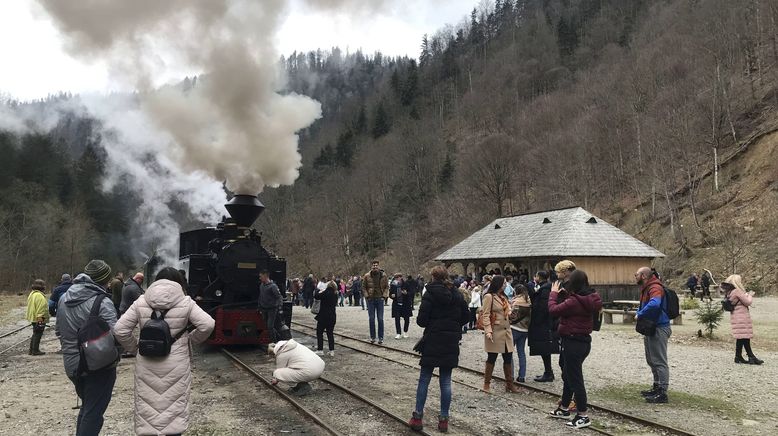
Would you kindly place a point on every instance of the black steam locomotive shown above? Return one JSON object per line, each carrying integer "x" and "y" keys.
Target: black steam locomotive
{"x": 222, "y": 264}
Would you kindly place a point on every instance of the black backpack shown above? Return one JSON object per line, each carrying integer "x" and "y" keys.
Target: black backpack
{"x": 728, "y": 305}
{"x": 155, "y": 338}
{"x": 96, "y": 345}
{"x": 672, "y": 305}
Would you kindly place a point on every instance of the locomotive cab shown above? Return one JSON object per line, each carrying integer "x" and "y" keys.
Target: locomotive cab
{"x": 223, "y": 265}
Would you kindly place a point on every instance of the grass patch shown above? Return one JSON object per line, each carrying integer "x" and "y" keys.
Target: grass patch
{"x": 715, "y": 404}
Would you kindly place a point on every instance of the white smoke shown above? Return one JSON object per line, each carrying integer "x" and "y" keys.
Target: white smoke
{"x": 180, "y": 142}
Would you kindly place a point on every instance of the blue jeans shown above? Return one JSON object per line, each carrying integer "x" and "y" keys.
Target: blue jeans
{"x": 95, "y": 393}
{"x": 375, "y": 309}
{"x": 519, "y": 339}
{"x": 445, "y": 390}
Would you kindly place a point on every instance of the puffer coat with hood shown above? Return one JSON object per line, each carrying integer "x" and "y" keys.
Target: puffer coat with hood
{"x": 72, "y": 312}
{"x": 162, "y": 384}
{"x": 740, "y": 317}
{"x": 442, "y": 313}
{"x": 296, "y": 363}
{"x": 576, "y": 312}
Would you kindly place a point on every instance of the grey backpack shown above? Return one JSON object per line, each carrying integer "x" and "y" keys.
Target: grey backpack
{"x": 96, "y": 345}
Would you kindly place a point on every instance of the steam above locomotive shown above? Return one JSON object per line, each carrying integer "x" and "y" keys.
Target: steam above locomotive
{"x": 223, "y": 265}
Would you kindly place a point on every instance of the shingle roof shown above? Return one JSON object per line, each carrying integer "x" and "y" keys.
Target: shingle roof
{"x": 567, "y": 232}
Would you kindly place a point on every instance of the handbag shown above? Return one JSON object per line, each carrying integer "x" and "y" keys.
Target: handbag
{"x": 316, "y": 307}
{"x": 480, "y": 322}
{"x": 645, "y": 326}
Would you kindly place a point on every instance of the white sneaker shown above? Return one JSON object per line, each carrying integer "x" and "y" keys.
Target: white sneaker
{"x": 397, "y": 336}
{"x": 332, "y": 353}
{"x": 405, "y": 335}
{"x": 319, "y": 352}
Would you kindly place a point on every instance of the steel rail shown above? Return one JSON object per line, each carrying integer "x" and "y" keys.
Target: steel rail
{"x": 283, "y": 394}
{"x": 14, "y": 345}
{"x": 594, "y": 406}
{"x": 370, "y": 402}
{"x": 15, "y": 331}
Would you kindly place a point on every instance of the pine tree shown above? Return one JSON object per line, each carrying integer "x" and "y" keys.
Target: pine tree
{"x": 410, "y": 88}
{"x": 424, "y": 57}
{"x": 567, "y": 38}
{"x": 381, "y": 122}
{"x": 446, "y": 175}
{"x": 345, "y": 148}
{"x": 360, "y": 123}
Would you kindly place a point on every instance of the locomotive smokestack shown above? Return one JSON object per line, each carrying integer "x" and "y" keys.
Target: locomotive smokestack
{"x": 244, "y": 209}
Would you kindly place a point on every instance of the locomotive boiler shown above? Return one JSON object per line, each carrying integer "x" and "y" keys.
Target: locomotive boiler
{"x": 223, "y": 263}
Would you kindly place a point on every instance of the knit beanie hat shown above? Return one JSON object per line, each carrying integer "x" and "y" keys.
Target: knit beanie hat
{"x": 65, "y": 278}
{"x": 98, "y": 271}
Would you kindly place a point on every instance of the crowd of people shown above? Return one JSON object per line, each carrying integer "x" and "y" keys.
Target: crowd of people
{"x": 553, "y": 312}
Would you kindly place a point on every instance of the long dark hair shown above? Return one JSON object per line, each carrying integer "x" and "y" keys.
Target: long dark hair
{"x": 578, "y": 282}
{"x": 172, "y": 274}
{"x": 496, "y": 285}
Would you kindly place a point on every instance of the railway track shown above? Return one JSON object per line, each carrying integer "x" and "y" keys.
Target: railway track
{"x": 306, "y": 410}
{"x": 666, "y": 429}
{"x": 14, "y": 331}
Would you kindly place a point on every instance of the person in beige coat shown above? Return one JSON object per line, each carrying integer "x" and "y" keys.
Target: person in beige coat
{"x": 498, "y": 338}
{"x": 162, "y": 384}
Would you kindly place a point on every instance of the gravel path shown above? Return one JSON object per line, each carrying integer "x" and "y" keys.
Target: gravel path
{"x": 709, "y": 393}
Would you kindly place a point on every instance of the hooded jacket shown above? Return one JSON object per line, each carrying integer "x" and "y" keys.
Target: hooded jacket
{"x": 575, "y": 313}
{"x": 162, "y": 384}
{"x": 56, "y": 294}
{"x": 740, "y": 317}
{"x": 442, "y": 313}
{"x": 72, "y": 312}
{"x": 541, "y": 338}
{"x": 37, "y": 307}
{"x": 296, "y": 363}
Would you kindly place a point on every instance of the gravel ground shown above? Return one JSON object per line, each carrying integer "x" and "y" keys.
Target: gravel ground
{"x": 709, "y": 393}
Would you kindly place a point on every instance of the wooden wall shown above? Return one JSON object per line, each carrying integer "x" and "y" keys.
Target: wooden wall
{"x": 611, "y": 270}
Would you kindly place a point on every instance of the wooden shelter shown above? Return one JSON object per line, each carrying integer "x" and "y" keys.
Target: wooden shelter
{"x": 537, "y": 241}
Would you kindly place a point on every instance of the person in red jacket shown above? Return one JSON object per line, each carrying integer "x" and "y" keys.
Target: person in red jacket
{"x": 576, "y": 320}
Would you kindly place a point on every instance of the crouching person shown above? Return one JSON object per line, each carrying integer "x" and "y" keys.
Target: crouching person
{"x": 163, "y": 376}
{"x": 295, "y": 363}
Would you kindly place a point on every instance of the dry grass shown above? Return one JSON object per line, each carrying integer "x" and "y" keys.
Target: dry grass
{"x": 12, "y": 308}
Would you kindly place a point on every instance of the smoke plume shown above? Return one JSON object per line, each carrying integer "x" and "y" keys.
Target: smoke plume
{"x": 233, "y": 124}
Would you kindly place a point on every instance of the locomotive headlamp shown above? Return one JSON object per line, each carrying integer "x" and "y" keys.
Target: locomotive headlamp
{"x": 218, "y": 293}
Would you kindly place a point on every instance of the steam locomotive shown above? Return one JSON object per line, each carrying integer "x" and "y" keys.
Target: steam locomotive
{"x": 222, "y": 265}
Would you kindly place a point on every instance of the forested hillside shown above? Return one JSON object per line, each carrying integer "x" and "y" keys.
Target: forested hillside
{"x": 622, "y": 107}
{"x": 656, "y": 115}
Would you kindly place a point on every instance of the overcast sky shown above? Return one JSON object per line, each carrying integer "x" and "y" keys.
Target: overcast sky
{"x": 35, "y": 65}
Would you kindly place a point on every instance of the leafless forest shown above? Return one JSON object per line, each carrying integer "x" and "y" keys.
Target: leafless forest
{"x": 658, "y": 116}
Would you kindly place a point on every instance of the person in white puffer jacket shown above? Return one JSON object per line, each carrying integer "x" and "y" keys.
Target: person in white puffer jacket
{"x": 162, "y": 384}
{"x": 295, "y": 363}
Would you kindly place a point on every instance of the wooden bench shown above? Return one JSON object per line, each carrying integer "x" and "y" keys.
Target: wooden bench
{"x": 628, "y": 316}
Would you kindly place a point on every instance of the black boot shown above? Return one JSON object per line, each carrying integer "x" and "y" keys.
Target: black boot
{"x": 545, "y": 378}
{"x": 659, "y": 398}
{"x": 739, "y": 359}
{"x": 36, "y": 344}
{"x": 651, "y": 392}
{"x": 753, "y": 360}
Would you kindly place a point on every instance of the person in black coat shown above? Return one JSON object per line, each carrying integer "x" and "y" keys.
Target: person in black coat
{"x": 325, "y": 319}
{"x": 402, "y": 305}
{"x": 541, "y": 338}
{"x": 309, "y": 286}
{"x": 442, "y": 313}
